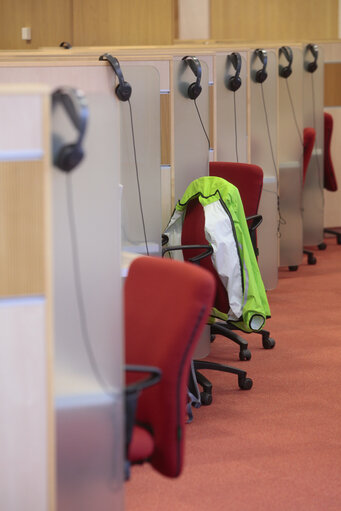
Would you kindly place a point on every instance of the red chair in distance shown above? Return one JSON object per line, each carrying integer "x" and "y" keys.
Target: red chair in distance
{"x": 167, "y": 304}
{"x": 330, "y": 181}
{"x": 248, "y": 178}
{"x": 309, "y": 136}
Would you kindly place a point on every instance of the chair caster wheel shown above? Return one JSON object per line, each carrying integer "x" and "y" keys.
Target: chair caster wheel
{"x": 205, "y": 398}
{"x": 338, "y": 239}
{"x": 312, "y": 260}
{"x": 245, "y": 355}
{"x": 293, "y": 268}
{"x": 245, "y": 383}
{"x": 268, "y": 342}
{"x": 212, "y": 338}
{"x": 322, "y": 246}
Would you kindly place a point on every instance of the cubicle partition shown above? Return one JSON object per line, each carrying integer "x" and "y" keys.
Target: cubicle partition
{"x": 191, "y": 147}
{"x": 290, "y": 150}
{"x": 26, "y": 425}
{"x": 263, "y": 133}
{"x": 231, "y": 108}
{"x": 313, "y": 193}
{"x": 85, "y": 292}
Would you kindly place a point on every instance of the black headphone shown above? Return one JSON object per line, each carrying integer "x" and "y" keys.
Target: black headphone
{"x": 65, "y": 45}
{"x": 123, "y": 89}
{"x": 285, "y": 71}
{"x": 312, "y": 66}
{"x": 235, "y": 81}
{"x": 261, "y": 74}
{"x": 194, "y": 88}
{"x": 75, "y": 105}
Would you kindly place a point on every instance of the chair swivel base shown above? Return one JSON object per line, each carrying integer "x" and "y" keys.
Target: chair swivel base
{"x": 334, "y": 233}
{"x": 311, "y": 258}
{"x": 243, "y": 382}
{"x": 267, "y": 341}
{"x": 223, "y": 329}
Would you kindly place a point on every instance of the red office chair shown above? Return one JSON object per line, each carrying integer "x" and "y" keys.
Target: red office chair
{"x": 167, "y": 303}
{"x": 330, "y": 182}
{"x": 248, "y": 179}
{"x": 309, "y": 136}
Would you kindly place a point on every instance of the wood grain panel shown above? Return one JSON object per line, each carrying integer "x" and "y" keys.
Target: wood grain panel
{"x": 50, "y": 22}
{"x": 332, "y": 80}
{"x": 22, "y": 249}
{"x": 131, "y": 22}
{"x": 165, "y": 129}
{"x": 274, "y": 20}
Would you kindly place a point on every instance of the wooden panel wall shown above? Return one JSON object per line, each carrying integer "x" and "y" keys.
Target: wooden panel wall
{"x": 128, "y": 22}
{"x": 332, "y": 80}
{"x": 50, "y": 22}
{"x": 273, "y": 20}
{"x": 87, "y": 22}
{"x": 22, "y": 240}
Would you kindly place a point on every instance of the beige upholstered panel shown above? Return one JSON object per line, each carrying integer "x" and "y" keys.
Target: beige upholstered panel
{"x": 21, "y": 228}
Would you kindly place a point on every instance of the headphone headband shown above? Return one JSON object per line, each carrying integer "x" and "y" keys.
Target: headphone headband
{"x": 235, "y": 81}
{"x": 285, "y": 71}
{"x": 261, "y": 74}
{"x": 194, "y": 89}
{"x": 123, "y": 89}
{"x": 312, "y": 66}
{"x": 75, "y": 105}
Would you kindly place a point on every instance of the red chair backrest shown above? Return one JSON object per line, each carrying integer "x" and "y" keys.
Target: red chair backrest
{"x": 330, "y": 182}
{"x": 246, "y": 177}
{"x": 309, "y": 136}
{"x": 166, "y": 306}
{"x": 193, "y": 233}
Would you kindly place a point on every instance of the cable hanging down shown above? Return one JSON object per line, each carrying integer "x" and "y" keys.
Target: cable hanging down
{"x": 281, "y": 220}
{"x": 202, "y": 124}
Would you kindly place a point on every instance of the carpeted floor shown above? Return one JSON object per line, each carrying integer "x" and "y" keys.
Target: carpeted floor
{"x": 278, "y": 446}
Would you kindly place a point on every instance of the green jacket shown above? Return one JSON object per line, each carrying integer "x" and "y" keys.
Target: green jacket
{"x": 233, "y": 254}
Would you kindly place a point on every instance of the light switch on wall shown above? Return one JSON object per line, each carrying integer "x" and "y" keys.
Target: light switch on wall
{"x": 26, "y": 33}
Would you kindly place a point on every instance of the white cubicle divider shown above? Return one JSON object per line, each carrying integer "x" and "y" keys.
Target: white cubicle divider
{"x": 263, "y": 134}
{"x": 97, "y": 213}
{"x": 25, "y": 389}
{"x": 231, "y": 110}
{"x": 141, "y": 196}
{"x": 87, "y": 311}
{"x": 191, "y": 148}
{"x": 313, "y": 193}
{"x": 290, "y": 150}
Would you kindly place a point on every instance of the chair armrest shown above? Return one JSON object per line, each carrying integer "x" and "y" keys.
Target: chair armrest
{"x": 255, "y": 220}
{"x": 195, "y": 259}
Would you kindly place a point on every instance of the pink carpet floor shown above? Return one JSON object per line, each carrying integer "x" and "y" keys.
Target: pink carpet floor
{"x": 278, "y": 446}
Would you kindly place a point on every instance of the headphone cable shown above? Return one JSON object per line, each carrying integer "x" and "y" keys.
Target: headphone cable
{"x": 137, "y": 177}
{"x": 235, "y": 125}
{"x": 202, "y": 124}
{"x": 293, "y": 112}
{"x": 281, "y": 220}
{"x": 79, "y": 290}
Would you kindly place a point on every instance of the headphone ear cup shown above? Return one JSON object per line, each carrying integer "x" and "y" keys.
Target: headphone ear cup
{"x": 311, "y": 67}
{"x": 194, "y": 90}
{"x": 69, "y": 157}
{"x": 234, "y": 83}
{"x": 123, "y": 91}
{"x": 261, "y": 76}
{"x": 285, "y": 71}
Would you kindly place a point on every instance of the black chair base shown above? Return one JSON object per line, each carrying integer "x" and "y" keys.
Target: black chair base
{"x": 311, "y": 259}
{"x": 334, "y": 233}
{"x": 225, "y": 330}
{"x": 244, "y": 382}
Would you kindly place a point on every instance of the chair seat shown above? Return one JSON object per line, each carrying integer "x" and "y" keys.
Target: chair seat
{"x": 142, "y": 445}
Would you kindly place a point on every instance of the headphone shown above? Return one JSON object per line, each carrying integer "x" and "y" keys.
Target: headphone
{"x": 261, "y": 74}
{"x": 312, "y": 66}
{"x": 75, "y": 105}
{"x": 194, "y": 88}
{"x": 65, "y": 45}
{"x": 235, "y": 81}
{"x": 123, "y": 89}
{"x": 285, "y": 71}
